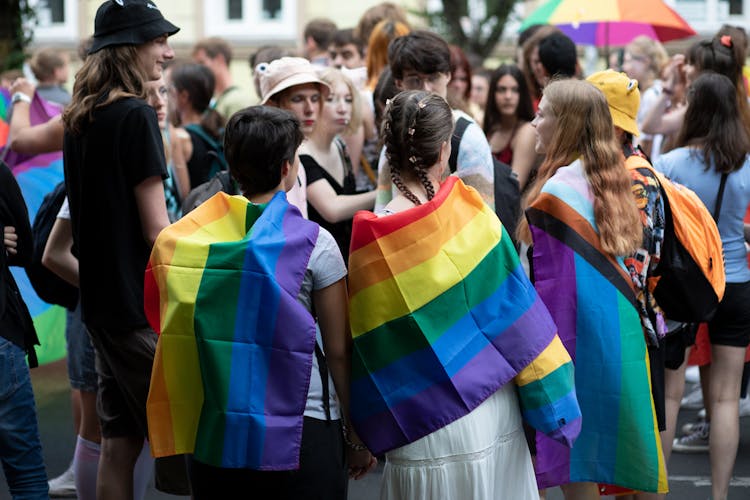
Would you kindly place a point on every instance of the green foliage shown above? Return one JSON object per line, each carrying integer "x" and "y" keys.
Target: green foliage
{"x": 475, "y": 36}
{"x": 15, "y": 32}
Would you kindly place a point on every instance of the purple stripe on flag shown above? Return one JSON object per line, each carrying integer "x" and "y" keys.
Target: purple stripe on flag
{"x": 290, "y": 361}
{"x": 558, "y": 294}
{"x": 518, "y": 339}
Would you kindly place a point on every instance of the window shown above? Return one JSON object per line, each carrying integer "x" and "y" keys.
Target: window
{"x": 56, "y": 20}
{"x": 735, "y": 7}
{"x": 271, "y": 9}
{"x": 269, "y": 21}
{"x": 234, "y": 9}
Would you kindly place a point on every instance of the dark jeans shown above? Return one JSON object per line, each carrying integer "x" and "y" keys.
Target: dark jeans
{"x": 20, "y": 446}
{"x": 322, "y": 474}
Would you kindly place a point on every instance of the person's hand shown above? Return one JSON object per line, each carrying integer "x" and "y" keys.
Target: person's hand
{"x": 23, "y": 86}
{"x": 360, "y": 462}
{"x": 10, "y": 239}
{"x": 674, "y": 74}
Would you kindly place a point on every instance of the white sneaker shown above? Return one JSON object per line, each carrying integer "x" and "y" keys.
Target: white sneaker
{"x": 693, "y": 400}
{"x": 745, "y": 406}
{"x": 64, "y": 485}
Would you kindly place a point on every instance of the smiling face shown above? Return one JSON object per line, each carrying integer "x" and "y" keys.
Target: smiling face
{"x": 507, "y": 95}
{"x": 152, "y": 56}
{"x": 544, "y": 124}
{"x": 304, "y": 101}
{"x": 337, "y": 108}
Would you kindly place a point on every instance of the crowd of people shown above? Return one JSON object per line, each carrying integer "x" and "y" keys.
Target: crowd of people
{"x": 276, "y": 295}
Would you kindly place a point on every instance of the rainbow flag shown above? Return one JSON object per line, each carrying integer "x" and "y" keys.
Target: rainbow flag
{"x": 591, "y": 299}
{"x": 442, "y": 316}
{"x": 234, "y": 357}
{"x": 36, "y": 175}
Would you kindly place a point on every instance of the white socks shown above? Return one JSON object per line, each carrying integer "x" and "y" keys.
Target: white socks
{"x": 86, "y": 466}
{"x": 142, "y": 472}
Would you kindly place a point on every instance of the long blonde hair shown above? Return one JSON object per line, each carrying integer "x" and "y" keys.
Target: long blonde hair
{"x": 115, "y": 70}
{"x": 584, "y": 129}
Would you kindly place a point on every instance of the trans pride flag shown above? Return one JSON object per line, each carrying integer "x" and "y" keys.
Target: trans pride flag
{"x": 442, "y": 316}
{"x": 590, "y": 297}
{"x": 234, "y": 357}
{"x": 37, "y": 176}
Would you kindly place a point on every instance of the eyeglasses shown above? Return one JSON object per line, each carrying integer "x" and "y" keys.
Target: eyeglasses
{"x": 414, "y": 82}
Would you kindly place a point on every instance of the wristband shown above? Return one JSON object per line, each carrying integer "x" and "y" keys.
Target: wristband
{"x": 20, "y": 96}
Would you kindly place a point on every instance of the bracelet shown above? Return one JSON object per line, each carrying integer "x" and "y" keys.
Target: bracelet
{"x": 667, "y": 91}
{"x": 348, "y": 442}
{"x": 20, "y": 96}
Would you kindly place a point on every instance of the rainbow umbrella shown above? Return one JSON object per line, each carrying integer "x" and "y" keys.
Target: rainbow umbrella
{"x": 611, "y": 22}
{"x": 37, "y": 176}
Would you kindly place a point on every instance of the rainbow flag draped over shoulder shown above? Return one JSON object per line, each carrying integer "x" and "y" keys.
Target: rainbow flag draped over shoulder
{"x": 591, "y": 299}
{"x": 37, "y": 175}
{"x": 442, "y": 316}
{"x": 234, "y": 357}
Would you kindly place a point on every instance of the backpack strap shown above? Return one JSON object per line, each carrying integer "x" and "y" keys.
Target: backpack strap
{"x": 323, "y": 370}
{"x": 458, "y": 133}
{"x": 198, "y": 130}
{"x": 720, "y": 197}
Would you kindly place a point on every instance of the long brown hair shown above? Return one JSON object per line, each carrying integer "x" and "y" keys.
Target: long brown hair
{"x": 584, "y": 129}
{"x": 115, "y": 71}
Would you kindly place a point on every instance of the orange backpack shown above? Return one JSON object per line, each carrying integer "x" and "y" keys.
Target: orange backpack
{"x": 689, "y": 281}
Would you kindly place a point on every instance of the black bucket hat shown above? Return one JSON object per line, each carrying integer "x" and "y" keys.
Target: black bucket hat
{"x": 128, "y": 22}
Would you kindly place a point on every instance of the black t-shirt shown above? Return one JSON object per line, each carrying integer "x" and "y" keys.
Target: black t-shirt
{"x": 341, "y": 231}
{"x": 200, "y": 162}
{"x": 118, "y": 150}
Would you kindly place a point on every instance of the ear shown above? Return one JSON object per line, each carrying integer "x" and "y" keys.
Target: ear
{"x": 445, "y": 151}
{"x": 285, "y": 168}
{"x": 399, "y": 84}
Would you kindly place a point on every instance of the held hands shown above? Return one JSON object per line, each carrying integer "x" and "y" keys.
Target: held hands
{"x": 358, "y": 457}
{"x": 10, "y": 240}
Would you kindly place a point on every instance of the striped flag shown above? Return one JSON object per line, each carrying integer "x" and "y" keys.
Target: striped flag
{"x": 234, "y": 356}
{"x": 589, "y": 294}
{"x": 442, "y": 316}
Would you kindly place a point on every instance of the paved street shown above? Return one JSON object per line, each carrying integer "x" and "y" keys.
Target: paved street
{"x": 689, "y": 474}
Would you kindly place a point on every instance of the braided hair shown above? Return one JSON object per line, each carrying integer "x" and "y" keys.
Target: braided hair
{"x": 415, "y": 125}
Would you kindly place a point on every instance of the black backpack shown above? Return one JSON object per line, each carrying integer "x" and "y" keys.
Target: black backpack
{"x": 507, "y": 191}
{"x": 222, "y": 181}
{"x": 50, "y": 287}
{"x": 215, "y": 150}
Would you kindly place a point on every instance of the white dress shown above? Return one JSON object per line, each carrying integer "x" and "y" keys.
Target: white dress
{"x": 480, "y": 456}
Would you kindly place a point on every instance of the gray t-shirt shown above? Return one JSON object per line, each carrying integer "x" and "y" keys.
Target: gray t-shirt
{"x": 326, "y": 267}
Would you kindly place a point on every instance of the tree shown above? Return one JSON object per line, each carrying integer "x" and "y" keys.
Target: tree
{"x": 474, "y": 25}
{"x": 15, "y": 34}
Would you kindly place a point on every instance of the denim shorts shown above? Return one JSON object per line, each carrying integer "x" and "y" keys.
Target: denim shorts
{"x": 81, "y": 359}
{"x": 20, "y": 445}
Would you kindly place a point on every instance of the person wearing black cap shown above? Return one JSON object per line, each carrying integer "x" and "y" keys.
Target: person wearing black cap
{"x": 114, "y": 166}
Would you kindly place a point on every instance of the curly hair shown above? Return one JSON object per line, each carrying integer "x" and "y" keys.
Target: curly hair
{"x": 584, "y": 129}
{"x": 415, "y": 126}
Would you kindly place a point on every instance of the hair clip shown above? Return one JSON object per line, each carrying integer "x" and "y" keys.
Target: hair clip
{"x": 726, "y": 41}
{"x": 413, "y": 159}
{"x": 411, "y": 131}
{"x": 421, "y": 104}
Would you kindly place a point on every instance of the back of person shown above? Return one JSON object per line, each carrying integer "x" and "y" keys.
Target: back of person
{"x": 204, "y": 162}
{"x": 107, "y": 230}
{"x": 685, "y": 165}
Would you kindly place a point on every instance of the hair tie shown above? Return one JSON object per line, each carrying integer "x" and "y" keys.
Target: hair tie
{"x": 726, "y": 41}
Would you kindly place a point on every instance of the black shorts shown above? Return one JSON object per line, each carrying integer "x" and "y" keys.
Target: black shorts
{"x": 731, "y": 324}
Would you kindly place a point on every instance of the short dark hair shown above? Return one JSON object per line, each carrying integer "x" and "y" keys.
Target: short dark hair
{"x": 421, "y": 51}
{"x": 321, "y": 30}
{"x": 558, "y": 55}
{"x": 257, "y": 142}
{"x": 214, "y": 46}
{"x": 344, "y": 37}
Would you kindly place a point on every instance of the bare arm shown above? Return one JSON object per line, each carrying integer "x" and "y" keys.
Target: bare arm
{"x": 58, "y": 256}
{"x": 152, "y": 207}
{"x": 331, "y": 304}
{"x": 179, "y": 144}
{"x": 27, "y": 139}
{"x": 337, "y": 207}
{"x": 524, "y": 155}
{"x": 657, "y": 122}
